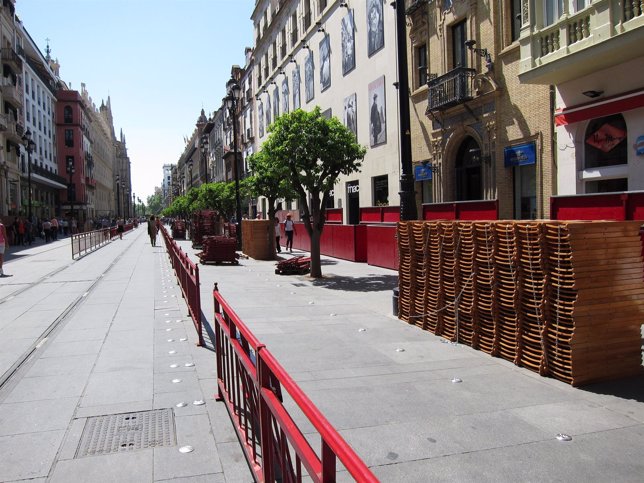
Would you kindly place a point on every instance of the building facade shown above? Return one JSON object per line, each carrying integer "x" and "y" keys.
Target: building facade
{"x": 39, "y": 84}
{"x": 340, "y": 56}
{"x": 11, "y": 118}
{"x": 478, "y": 133}
{"x": 593, "y": 55}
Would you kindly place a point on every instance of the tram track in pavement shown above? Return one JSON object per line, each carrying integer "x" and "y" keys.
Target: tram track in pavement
{"x": 26, "y": 357}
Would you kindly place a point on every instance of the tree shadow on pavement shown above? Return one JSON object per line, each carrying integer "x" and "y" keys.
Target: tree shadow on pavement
{"x": 369, "y": 283}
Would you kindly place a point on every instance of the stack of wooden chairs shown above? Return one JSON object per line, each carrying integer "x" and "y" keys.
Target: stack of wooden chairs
{"x": 562, "y": 298}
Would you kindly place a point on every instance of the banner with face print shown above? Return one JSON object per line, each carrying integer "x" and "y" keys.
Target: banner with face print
{"x": 377, "y": 117}
{"x": 348, "y": 44}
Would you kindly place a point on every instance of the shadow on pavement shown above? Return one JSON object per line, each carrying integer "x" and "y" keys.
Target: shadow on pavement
{"x": 373, "y": 283}
{"x": 629, "y": 388}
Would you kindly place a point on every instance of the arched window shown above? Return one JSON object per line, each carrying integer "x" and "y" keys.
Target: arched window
{"x": 468, "y": 171}
{"x": 605, "y": 145}
{"x": 67, "y": 115}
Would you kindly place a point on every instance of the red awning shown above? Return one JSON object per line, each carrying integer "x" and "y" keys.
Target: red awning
{"x": 605, "y": 107}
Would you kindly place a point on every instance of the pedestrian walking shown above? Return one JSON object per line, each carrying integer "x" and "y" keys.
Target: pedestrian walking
{"x": 46, "y": 228}
{"x": 289, "y": 229}
{"x": 21, "y": 232}
{"x": 152, "y": 230}
{"x": 120, "y": 227}
{"x": 4, "y": 243}
{"x": 54, "y": 229}
{"x": 278, "y": 235}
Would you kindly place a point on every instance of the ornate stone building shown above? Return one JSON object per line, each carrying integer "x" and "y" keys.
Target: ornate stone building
{"x": 478, "y": 132}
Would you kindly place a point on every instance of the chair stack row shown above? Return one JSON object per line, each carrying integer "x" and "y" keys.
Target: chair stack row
{"x": 564, "y": 299}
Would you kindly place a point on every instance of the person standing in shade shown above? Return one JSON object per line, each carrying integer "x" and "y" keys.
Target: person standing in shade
{"x": 4, "y": 243}
{"x": 120, "y": 227}
{"x": 278, "y": 235}
{"x": 289, "y": 229}
{"x": 152, "y": 230}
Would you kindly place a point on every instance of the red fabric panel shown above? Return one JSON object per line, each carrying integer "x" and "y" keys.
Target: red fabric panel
{"x": 371, "y": 214}
{"x": 391, "y": 214}
{"x": 382, "y": 249}
{"x": 595, "y": 207}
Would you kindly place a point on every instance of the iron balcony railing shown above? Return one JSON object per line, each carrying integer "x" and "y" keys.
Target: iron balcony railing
{"x": 36, "y": 169}
{"x": 451, "y": 89}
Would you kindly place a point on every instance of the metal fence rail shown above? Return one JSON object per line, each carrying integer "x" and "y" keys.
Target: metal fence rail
{"x": 84, "y": 243}
{"x": 187, "y": 273}
{"x": 250, "y": 381}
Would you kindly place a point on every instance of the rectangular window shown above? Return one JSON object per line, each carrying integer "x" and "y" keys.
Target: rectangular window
{"x": 381, "y": 190}
{"x": 553, "y": 10}
{"x": 274, "y": 63}
{"x": 283, "y": 43}
{"x": 69, "y": 138}
{"x": 459, "y": 58}
{"x": 322, "y": 5}
{"x": 421, "y": 64}
{"x": 515, "y": 19}
{"x": 294, "y": 33}
{"x": 307, "y": 14}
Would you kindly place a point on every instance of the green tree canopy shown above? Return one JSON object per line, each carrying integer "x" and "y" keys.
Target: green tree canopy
{"x": 315, "y": 151}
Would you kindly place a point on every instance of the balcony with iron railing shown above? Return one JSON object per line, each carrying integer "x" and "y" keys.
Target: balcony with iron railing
{"x": 36, "y": 169}
{"x": 11, "y": 92}
{"x": 10, "y": 56}
{"x": 451, "y": 89}
{"x": 548, "y": 52}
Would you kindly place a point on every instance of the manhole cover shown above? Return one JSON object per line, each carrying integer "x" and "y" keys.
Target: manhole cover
{"x": 117, "y": 433}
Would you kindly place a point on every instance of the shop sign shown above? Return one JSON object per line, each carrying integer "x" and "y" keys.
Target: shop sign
{"x": 639, "y": 146}
{"x": 520, "y": 154}
{"x": 351, "y": 189}
{"x": 606, "y": 138}
{"x": 422, "y": 173}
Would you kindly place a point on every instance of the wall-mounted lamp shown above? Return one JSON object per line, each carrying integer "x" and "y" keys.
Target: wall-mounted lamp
{"x": 320, "y": 28}
{"x": 273, "y": 83}
{"x": 482, "y": 52}
{"x": 293, "y": 60}
{"x": 344, "y": 4}
{"x": 592, "y": 94}
{"x": 306, "y": 46}
{"x": 282, "y": 72}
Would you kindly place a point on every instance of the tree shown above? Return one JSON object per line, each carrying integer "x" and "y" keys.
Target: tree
{"x": 315, "y": 150}
{"x": 270, "y": 180}
{"x": 155, "y": 204}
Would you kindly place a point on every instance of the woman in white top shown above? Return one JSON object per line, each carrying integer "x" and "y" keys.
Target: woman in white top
{"x": 278, "y": 235}
{"x": 289, "y": 229}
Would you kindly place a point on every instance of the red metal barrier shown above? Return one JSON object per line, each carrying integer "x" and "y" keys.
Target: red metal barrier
{"x": 382, "y": 249}
{"x": 333, "y": 215}
{"x": 250, "y": 382}
{"x": 380, "y": 214}
{"x": 187, "y": 273}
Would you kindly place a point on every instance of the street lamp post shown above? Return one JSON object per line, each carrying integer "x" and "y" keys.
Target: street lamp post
{"x": 29, "y": 145}
{"x": 134, "y": 203}
{"x": 407, "y": 194}
{"x": 232, "y": 100}
{"x": 204, "y": 153}
{"x": 71, "y": 191}
{"x": 118, "y": 196}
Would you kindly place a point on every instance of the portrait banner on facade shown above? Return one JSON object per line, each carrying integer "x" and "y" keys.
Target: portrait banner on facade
{"x": 285, "y": 95}
{"x": 348, "y": 44}
{"x": 296, "y": 87}
{"x": 325, "y": 63}
{"x": 375, "y": 27}
{"x": 260, "y": 117}
{"x": 377, "y": 114}
{"x": 276, "y": 103}
{"x": 309, "y": 81}
{"x": 268, "y": 110}
{"x": 350, "y": 113}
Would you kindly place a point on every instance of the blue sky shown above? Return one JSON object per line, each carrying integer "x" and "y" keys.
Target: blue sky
{"x": 160, "y": 61}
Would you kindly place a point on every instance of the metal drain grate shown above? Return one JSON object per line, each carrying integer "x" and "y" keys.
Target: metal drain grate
{"x": 117, "y": 433}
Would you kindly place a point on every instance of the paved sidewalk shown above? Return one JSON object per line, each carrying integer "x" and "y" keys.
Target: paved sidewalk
{"x": 117, "y": 315}
{"x": 119, "y": 341}
{"x": 387, "y": 386}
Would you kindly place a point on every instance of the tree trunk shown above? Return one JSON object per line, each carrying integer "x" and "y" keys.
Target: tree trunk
{"x": 316, "y": 266}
